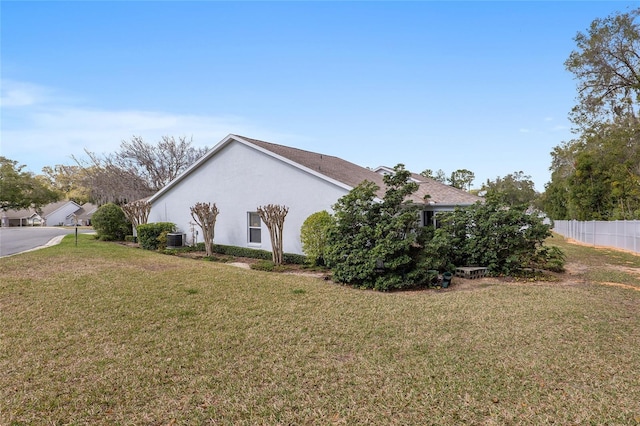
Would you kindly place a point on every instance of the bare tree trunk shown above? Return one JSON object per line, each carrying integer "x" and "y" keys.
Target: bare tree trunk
{"x": 205, "y": 214}
{"x": 273, "y": 216}
{"x": 137, "y": 212}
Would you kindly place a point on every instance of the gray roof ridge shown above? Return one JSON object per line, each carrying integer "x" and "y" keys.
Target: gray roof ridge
{"x": 296, "y": 149}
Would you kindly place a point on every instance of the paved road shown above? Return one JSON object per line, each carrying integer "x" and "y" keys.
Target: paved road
{"x": 20, "y": 239}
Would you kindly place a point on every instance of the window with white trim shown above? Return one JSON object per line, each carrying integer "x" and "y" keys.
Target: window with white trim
{"x": 255, "y": 228}
{"x": 430, "y": 218}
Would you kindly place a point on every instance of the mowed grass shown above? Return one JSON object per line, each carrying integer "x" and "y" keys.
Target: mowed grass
{"x": 103, "y": 334}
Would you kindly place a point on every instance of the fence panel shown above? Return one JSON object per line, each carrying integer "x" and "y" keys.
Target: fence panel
{"x": 621, "y": 234}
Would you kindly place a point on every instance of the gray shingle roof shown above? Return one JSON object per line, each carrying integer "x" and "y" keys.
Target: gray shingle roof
{"x": 352, "y": 175}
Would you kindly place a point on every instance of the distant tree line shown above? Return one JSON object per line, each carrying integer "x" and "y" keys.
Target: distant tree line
{"x": 596, "y": 176}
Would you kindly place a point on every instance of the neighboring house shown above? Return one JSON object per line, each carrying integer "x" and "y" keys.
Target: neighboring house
{"x": 24, "y": 217}
{"x": 240, "y": 174}
{"x": 54, "y": 214}
{"x": 82, "y": 216}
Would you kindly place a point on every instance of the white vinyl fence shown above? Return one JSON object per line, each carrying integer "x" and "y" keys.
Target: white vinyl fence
{"x": 621, "y": 234}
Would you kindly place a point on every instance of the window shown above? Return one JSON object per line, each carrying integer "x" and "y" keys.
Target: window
{"x": 255, "y": 228}
{"x": 430, "y": 218}
{"x": 427, "y": 218}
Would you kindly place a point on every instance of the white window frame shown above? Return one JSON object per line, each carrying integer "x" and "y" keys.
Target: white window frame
{"x": 252, "y": 227}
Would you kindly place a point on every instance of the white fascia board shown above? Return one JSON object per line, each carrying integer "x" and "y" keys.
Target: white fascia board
{"x": 383, "y": 169}
{"x": 391, "y": 171}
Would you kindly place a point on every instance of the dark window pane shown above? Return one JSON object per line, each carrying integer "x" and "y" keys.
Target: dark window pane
{"x": 255, "y": 235}
{"x": 254, "y": 220}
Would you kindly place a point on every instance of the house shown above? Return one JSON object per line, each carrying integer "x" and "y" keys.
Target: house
{"x": 23, "y": 217}
{"x": 81, "y": 216}
{"x": 240, "y": 174}
{"x": 54, "y": 214}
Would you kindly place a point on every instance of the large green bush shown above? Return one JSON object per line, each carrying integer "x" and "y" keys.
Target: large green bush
{"x": 375, "y": 244}
{"x": 503, "y": 239}
{"x": 110, "y": 223}
{"x": 150, "y": 235}
{"x": 313, "y": 235}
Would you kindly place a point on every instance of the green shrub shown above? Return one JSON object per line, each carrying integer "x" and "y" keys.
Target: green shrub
{"x": 268, "y": 266}
{"x": 264, "y": 265}
{"x": 150, "y": 234}
{"x": 162, "y": 240}
{"x": 505, "y": 239}
{"x": 313, "y": 235}
{"x": 549, "y": 258}
{"x": 110, "y": 223}
{"x": 296, "y": 259}
{"x": 375, "y": 244}
{"x": 251, "y": 253}
{"x": 130, "y": 238}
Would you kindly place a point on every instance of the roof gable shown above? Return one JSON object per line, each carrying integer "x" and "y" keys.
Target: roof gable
{"x": 53, "y": 207}
{"x": 336, "y": 171}
{"x": 19, "y": 214}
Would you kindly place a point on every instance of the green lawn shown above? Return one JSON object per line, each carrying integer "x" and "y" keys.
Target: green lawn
{"x": 103, "y": 334}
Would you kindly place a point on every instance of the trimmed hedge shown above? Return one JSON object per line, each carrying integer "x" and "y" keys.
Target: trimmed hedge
{"x": 148, "y": 234}
{"x": 236, "y": 251}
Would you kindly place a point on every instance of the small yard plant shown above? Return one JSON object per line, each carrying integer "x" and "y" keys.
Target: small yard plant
{"x": 110, "y": 223}
{"x": 314, "y": 235}
{"x": 153, "y": 236}
{"x": 269, "y": 266}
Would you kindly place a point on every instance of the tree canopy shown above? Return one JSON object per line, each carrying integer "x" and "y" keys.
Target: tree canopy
{"x": 607, "y": 67}
{"x": 68, "y": 180}
{"x": 157, "y": 164}
{"x": 461, "y": 178}
{"x": 20, "y": 189}
{"x": 138, "y": 169}
{"x": 515, "y": 189}
{"x": 596, "y": 176}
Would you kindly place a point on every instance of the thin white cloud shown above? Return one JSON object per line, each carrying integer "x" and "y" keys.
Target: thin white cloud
{"x": 523, "y": 130}
{"x": 20, "y": 94}
{"x": 39, "y": 133}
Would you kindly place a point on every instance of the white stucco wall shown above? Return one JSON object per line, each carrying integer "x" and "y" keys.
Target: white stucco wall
{"x": 59, "y": 216}
{"x": 238, "y": 179}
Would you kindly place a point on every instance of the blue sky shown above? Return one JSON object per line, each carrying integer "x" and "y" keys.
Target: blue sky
{"x": 439, "y": 85}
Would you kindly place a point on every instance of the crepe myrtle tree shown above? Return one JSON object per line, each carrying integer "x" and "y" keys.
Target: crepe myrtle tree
{"x": 205, "y": 215}
{"x": 137, "y": 212}
{"x": 273, "y": 216}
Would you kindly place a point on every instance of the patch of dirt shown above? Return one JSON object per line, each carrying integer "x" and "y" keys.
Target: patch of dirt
{"x": 621, "y": 285}
{"x": 625, "y": 269}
